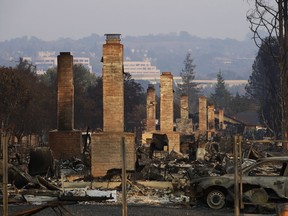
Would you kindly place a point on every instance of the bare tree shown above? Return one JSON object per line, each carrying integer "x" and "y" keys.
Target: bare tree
{"x": 271, "y": 16}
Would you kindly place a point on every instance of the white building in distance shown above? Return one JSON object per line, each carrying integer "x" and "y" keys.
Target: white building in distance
{"x": 141, "y": 69}
{"x": 46, "y": 60}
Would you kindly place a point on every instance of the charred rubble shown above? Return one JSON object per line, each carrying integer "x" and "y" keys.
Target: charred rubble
{"x": 41, "y": 175}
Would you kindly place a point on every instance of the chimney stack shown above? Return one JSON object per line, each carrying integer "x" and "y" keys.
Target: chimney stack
{"x": 151, "y": 109}
{"x": 202, "y": 115}
{"x": 65, "y": 106}
{"x": 166, "y": 102}
{"x": 113, "y": 84}
{"x": 184, "y": 108}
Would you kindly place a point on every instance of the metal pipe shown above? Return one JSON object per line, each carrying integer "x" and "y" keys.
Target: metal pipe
{"x": 124, "y": 181}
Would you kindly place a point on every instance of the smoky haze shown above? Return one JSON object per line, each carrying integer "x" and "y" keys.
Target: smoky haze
{"x": 54, "y": 19}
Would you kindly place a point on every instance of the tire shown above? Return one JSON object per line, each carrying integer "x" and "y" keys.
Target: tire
{"x": 216, "y": 199}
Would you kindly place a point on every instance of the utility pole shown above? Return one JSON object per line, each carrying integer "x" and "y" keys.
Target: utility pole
{"x": 124, "y": 194}
{"x": 4, "y": 143}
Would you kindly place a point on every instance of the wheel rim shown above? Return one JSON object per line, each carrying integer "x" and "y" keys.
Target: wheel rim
{"x": 216, "y": 199}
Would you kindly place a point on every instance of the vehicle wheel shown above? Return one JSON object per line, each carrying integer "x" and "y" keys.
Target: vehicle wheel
{"x": 215, "y": 199}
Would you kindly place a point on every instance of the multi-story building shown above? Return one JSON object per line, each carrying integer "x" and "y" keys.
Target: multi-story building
{"x": 46, "y": 60}
{"x": 141, "y": 69}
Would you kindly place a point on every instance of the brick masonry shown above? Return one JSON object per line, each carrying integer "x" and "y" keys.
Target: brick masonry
{"x": 167, "y": 110}
{"x": 106, "y": 152}
{"x": 221, "y": 119}
{"x": 166, "y": 102}
{"x": 106, "y": 146}
{"x": 151, "y": 109}
{"x": 146, "y": 135}
{"x": 184, "y": 110}
{"x": 184, "y": 126}
{"x": 174, "y": 141}
{"x": 65, "y": 101}
{"x": 211, "y": 118}
{"x": 65, "y": 144}
{"x": 113, "y": 86}
{"x": 202, "y": 115}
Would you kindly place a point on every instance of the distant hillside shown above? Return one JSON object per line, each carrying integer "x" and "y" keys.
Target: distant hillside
{"x": 167, "y": 52}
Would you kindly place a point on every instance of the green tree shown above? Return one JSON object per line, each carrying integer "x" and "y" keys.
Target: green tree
{"x": 134, "y": 103}
{"x": 222, "y": 97}
{"x": 240, "y": 103}
{"x": 85, "y": 89}
{"x": 188, "y": 87}
{"x": 84, "y": 100}
{"x": 264, "y": 86}
{"x": 271, "y": 17}
{"x": 23, "y": 107}
{"x": 49, "y": 80}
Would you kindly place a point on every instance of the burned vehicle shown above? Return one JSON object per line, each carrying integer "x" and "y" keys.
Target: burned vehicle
{"x": 263, "y": 182}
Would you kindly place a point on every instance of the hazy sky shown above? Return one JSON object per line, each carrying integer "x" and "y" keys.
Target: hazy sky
{"x": 53, "y": 19}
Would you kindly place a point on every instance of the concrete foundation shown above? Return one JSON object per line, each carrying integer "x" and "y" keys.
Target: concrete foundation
{"x": 106, "y": 152}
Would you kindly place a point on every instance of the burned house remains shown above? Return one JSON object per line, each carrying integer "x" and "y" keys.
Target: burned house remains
{"x": 65, "y": 142}
{"x": 105, "y": 146}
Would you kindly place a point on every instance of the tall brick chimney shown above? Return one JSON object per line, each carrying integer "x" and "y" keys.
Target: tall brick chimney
{"x": 202, "y": 115}
{"x": 65, "y": 142}
{"x": 113, "y": 84}
{"x": 65, "y": 106}
{"x": 184, "y": 109}
{"x": 151, "y": 109}
{"x": 221, "y": 119}
{"x": 106, "y": 146}
{"x": 166, "y": 102}
{"x": 211, "y": 118}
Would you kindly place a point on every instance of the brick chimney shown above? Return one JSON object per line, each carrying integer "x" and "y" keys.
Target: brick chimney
{"x": 211, "y": 118}
{"x": 184, "y": 109}
{"x": 221, "y": 119}
{"x": 202, "y": 115}
{"x": 65, "y": 142}
{"x": 65, "y": 106}
{"x": 166, "y": 102}
{"x": 113, "y": 84}
{"x": 151, "y": 109}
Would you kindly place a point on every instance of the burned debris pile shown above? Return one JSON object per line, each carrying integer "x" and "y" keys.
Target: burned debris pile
{"x": 161, "y": 175}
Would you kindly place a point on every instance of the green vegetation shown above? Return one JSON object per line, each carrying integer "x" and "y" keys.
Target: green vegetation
{"x": 264, "y": 86}
{"x": 188, "y": 87}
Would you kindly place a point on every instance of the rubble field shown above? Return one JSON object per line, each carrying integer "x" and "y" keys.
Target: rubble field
{"x": 160, "y": 179}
